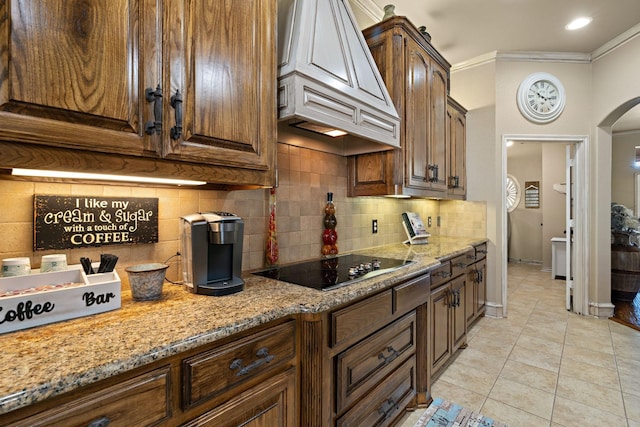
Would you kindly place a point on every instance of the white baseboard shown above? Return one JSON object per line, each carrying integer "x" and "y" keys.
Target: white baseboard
{"x": 603, "y": 310}
{"x": 493, "y": 310}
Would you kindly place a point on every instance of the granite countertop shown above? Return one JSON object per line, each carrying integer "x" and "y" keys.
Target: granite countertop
{"x": 49, "y": 360}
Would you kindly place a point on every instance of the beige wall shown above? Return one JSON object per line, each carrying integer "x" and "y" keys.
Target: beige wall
{"x": 305, "y": 178}
{"x": 598, "y": 93}
{"x": 524, "y": 162}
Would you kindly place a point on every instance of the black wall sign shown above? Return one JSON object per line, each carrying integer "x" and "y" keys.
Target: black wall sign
{"x": 63, "y": 222}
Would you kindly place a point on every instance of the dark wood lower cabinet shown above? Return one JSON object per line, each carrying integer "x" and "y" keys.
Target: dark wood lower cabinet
{"x": 363, "y": 363}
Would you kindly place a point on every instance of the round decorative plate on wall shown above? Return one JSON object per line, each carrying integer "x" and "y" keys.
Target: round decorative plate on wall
{"x": 513, "y": 193}
{"x": 541, "y": 97}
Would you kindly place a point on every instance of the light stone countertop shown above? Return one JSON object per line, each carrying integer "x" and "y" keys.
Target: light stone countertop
{"x": 49, "y": 360}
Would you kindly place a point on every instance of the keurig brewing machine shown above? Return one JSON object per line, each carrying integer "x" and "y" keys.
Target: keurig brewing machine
{"x": 212, "y": 253}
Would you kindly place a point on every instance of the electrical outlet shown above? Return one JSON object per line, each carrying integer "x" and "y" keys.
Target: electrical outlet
{"x": 429, "y": 222}
{"x": 374, "y": 226}
{"x": 438, "y": 222}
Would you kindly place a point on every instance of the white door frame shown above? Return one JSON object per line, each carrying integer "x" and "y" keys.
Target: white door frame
{"x": 581, "y": 276}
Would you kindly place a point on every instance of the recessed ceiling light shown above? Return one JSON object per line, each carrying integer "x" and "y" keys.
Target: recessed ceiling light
{"x": 578, "y": 23}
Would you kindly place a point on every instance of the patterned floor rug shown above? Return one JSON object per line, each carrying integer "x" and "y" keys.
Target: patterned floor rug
{"x": 442, "y": 413}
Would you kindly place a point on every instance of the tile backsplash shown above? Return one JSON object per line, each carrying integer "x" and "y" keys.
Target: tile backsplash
{"x": 305, "y": 178}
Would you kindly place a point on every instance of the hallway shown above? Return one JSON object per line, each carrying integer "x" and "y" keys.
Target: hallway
{"x": 544, "y": 366}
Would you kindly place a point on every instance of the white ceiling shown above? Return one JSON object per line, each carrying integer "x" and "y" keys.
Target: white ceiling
{"x": 463, "y": 30}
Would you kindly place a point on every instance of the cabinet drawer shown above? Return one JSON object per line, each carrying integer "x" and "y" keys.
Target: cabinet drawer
{"x": 386, "y": 402}
{"x": 270, "y": 403}
{"x": 481, "y": 251}
{"x": 460, "y": 263}
{"x": 362, "y": 318}
{"x": 118, "y": 405}
{"x": 440, "y": 274}
{"x": 368, "y": 362}
{"x": 411, "y": 294}
{"x": 210, "y": 373}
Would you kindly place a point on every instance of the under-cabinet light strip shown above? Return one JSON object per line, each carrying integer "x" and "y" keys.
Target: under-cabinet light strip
{"x": 101, "y": 177}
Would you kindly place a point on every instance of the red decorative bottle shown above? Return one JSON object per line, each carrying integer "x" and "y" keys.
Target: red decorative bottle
{"x": 272, "y": 252}
{"x": 329, "y": 235}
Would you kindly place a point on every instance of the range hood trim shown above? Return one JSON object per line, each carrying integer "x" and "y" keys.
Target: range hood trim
{"x": 341, "y": 94}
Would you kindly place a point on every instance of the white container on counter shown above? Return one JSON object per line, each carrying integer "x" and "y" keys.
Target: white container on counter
{"x": 15, "y": 267}
{"x": 53, "y": 262}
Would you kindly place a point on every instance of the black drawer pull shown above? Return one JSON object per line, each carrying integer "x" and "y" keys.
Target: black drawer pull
{"x": 481, "y": 251}
{"x": 461, "y": 265}
{"x": 393, "y": 354}
{"x": 176, "y": 103}
{"x": 388, "y": 407}
{"x": 100, "y": 422}
{"x": 154, "y": 96}
{"x": 264, "y": 355}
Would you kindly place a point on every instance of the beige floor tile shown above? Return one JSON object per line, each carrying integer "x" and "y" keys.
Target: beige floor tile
{"x": 541, "y": 379}
{"x": 633, "y": 423}
{"x": 511, "y": 416}
{"x": 543, "y": 332}
{"x": 490, "y": 346}
{"x": 590, "y": 373}
{"x": 574, "y": 414}
{"x": 469, "y": 378}
{"x": 539, "y": 344}
{"x": 584, "y": 339}
{"x": 625, "y": 352}
{"x": 602, "y": 398}
{"x": 591, "y": 357}
{"x": 490, "y": 363}
{"x": 533, "y": 358}
{"x": 466, "y": 398}
{"x": 523, "y": 397}
{"x": 632, "y": 406}
{"x": 630, "y": 382}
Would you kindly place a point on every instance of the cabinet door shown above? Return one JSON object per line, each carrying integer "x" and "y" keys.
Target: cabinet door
{"x": 457, "y": 157}
{"x": 417, "y": 116}
{"x": 440, "y": 326}
{"x": 74, "y": 73}
{"x": 459, "y": 314}
{"x": 269, "y": 404}
{"x": 470, "y": 294}
{"x": 438, "y": 121}
{"x": 481, "y": 287}
{"x": 220, "y": 56}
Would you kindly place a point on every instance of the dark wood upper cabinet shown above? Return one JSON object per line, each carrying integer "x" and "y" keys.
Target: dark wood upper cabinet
{"x": 417, "y": 78}
{"x": 74, "y": 73}
{"x": 185, "y": 88}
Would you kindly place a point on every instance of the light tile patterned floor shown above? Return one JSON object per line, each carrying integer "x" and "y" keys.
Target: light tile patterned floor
{"x": 544, "y": 366}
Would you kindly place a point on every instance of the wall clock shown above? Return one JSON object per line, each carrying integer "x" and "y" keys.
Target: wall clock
{"x": 541, "y": 97}
{"x": 513, "y": 193}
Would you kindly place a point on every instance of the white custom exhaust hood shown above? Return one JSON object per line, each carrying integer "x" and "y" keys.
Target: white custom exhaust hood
{"x": 328, "y": 80}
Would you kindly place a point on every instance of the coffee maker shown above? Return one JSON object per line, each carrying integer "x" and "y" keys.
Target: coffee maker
{"x": 212, "y": 253}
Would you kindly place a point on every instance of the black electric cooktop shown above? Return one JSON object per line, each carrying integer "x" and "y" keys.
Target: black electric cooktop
{"x": 331, "y": 273}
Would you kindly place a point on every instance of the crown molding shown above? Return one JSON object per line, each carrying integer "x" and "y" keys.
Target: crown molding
{"x": 521, "y": 56}
{"x": 616, "y": 42}
{"x": 369, "y": 8}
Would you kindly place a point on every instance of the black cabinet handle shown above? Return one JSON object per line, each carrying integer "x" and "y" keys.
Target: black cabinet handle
{"x": 432, "y": 173}
{"x": 176, "y": 103}
{"x": 264, "y": 356}
{"x": 393, "y": 354}
{"x": 154, "y": 96}
{"x": 461, "y": 265}
{"x": 100, "y": 422}
{"x": 388, "y": 407}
